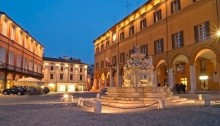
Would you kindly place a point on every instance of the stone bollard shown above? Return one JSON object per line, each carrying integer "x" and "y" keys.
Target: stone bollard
{"x": 161, "y": 104}
{"x": 98, "y": 95}
{"x": 200, "y": 97}
{"x": 71, "y": 98}
{"x": 207, "y": 100}
{"x": 80, "y": 102}
{"x": 97, "y": 107}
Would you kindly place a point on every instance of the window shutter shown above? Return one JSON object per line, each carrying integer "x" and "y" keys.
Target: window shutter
{"x": 196, "y": 33}
{"x": 155, "y": 47}
{"x": 162, "y": 45}
{"x": 207, "y": 25}
{"x": 179, "y": 4}
{"x": 160, "y": 14}
{"x": 154, "y": 17}
{"x": 171, "y": 7}
{"x": 182, "y": 38}
{"x": 173, "y": 41}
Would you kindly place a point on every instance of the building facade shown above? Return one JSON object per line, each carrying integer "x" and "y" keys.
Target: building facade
{"x": 181, "y": 37}
{"x": 65, "y": 74}
{"x": 21, "y": 55}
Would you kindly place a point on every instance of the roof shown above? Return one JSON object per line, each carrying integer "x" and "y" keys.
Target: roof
{"x": 20, "y": 27}
{"x": 148, "y": 1}
{"x": 64, "y": 60}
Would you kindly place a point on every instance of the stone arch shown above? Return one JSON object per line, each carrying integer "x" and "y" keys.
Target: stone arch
{"x": 9, "y": 76}
{"x": 17, "y": 77}
{"x": 199, "y": 51}
{"x": 160, "y": 69}
{"x": 178, "y": 57}
{"x": 206, "y": 60}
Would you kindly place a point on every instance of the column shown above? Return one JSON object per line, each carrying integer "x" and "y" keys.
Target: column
{"x": 155, "y": 78}
{"x": 118, "y": 77}
{"x": 170, "y": 78}
{"x": 192, "y": 79}
{"x": 111, "y": 78}
{"x": 105, "y": 82}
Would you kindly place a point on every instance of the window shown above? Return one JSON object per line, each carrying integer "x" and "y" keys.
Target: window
{"x": 97, "y": 65}
{"x": 51, "y": 68}
{"x": 61, "y": 68}
{"x": 102, "y": 64}
{"x": 2, "y": 54}
{"x": 18, "y": 61}
{"x": 80, "y": 70}
{"x": 61, "y": 76}
{"x": 175, "y": 6}
{"x": 157, "y": 16}
{"x": 122, "y": 57}
{"x": 144, "y": 49}
{"x": 177, "y": 40}
{"x": 71, "y": 69}
{"x": 122, "y": 36}
{"x": 107, "y": 44}
{"x": 158, "y": 46}
{"x": 80, "y": 77}
{"x": 12, "y": 33}
{"x": 102, "y": 48}
{"x": 202, "y": 32}
{"x": 202, "y": 66}
{"x": 97, "y": 50}
{"x": 114, "y": 60}
{"x": 143, "y": 24}
{"x": 51, "y": 76}
{"x": 131, "y": 30}
{"x": 71, "y": 77}
{"x": 11, "y": 58}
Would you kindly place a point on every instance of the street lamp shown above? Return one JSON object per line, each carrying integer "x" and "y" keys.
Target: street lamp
{"x": 218, "y": 33}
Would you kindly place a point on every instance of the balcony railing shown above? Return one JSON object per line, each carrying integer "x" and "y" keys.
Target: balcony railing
{"x": 19, "y": 69}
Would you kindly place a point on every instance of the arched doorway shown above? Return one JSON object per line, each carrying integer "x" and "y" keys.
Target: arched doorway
{"x": 206, "y": 70}
{"x": 161, "y": 73}
{"x": 181, "y": 73}
{"x": 9, "y": 82}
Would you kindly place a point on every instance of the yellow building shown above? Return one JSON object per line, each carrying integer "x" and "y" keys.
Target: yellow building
{"x": 181, "y": 36}
{"x": 21, "y": 55}
{"x": 65, "y": 74}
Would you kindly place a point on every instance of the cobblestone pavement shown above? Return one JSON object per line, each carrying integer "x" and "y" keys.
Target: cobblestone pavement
{"x": 48, "y": 111}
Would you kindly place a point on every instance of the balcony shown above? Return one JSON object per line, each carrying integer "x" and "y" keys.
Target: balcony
{"x": 8, "y": 67}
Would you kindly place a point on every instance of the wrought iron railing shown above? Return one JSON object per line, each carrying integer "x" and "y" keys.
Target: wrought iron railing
{"x": 13, "y": 68}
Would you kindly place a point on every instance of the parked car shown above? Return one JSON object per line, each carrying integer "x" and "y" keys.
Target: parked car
{"x": 14, "y": 90}
{"x": 46, "y": 90}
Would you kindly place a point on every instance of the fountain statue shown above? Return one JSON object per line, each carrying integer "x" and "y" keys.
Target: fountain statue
{"x": 138, "y": 72}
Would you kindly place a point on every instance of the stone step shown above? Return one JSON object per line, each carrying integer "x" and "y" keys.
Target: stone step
{"x": 136, "y": 94}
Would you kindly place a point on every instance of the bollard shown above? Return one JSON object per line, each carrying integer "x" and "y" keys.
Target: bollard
{"x": 98, "y": 95}
{"x": 97, "y": 107}
{"x": 80, "y": 102}
{"x": 71, "y": 98}
{"x": 200, "y": 97}
{"x": 207, "y": 100}
{"x": 161, "y": 104}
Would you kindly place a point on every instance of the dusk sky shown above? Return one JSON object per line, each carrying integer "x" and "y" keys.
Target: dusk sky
{"x": 68, "y": 27}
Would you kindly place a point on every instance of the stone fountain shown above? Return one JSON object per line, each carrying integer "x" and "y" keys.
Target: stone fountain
{"x": 138, "y": 72}
{"x": 138, "y": 89}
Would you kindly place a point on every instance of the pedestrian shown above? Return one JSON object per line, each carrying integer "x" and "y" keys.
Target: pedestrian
{"x": 183, "y": 88}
